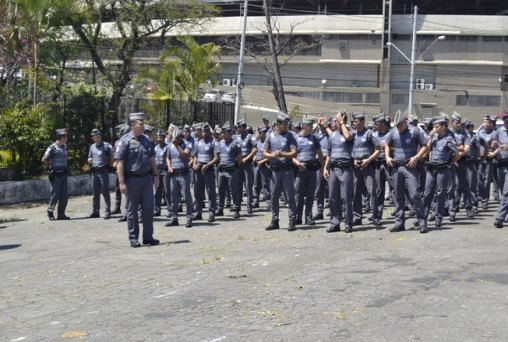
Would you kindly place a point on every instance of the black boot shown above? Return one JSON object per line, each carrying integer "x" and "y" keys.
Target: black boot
{"x": 273, "y": 225}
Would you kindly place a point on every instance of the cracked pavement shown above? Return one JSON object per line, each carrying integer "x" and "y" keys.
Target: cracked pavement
{"x": 232, "y": 280}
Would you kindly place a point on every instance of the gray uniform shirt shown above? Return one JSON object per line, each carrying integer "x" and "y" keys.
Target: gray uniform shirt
{"x": 205, "y": 149}
{"x": 177, "y": 162}
{"x": 247, "y": 142}
{"x": 160, "y": 156}
{"x": 364, "y": 144}
{"x": 135, "y": 153}
{"x": 280, "y": 142}
{"x": 339, "y": 149}
{"x": 502, "y": 140}
{"x": 443, "y": 148}
{"x": 307, "y": 148}
{"x": 407, "y": 143}
{"x": 100, "y": 154}
{"x": 228, "y": 151}
{"x": 57, "y": 156}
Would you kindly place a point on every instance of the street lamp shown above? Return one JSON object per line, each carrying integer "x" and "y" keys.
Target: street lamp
{"x": 413, "y": 59}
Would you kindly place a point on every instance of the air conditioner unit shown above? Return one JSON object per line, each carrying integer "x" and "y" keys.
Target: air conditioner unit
{"x": 429, "y": 86}
{"x": 233, "y": 82}
{"x": 226, "y": 82}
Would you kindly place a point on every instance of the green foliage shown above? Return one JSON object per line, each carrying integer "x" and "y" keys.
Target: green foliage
{"x": 5, "y": 159}
{"x": 23, "y": 135}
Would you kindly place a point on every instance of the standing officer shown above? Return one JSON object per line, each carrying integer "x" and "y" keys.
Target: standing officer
{"x": 246, "y": 172}
{"x": 321, "y": 182}
{"x": 443, "y": 152}
{"x": 56, "y": 157}
{"x": 100, "y": 156}
{"x": 501, "y": 144}
{"x": 472, "y": 166}
{"x": 261, "y": 172}
{"x": 205, "y": 155}
{"x": 338, "y": 170}
{"x": 459, "y": 175}
{"x": 230, "y": 155}
{"x": 365, "y": 151}
{"x": 137, "y": 174}
{"x": 280, "y": 148}
{"x": 406, "y": 141}
{"x": 162, "y": 170}
{"x": 486, "y": 167}
{"x": 178, "y": 156}
{"x": 383, "y": 176}
{"x": 309, "y": 161}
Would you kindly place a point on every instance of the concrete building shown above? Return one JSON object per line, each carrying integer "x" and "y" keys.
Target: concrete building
{"x": 353, "y": 68}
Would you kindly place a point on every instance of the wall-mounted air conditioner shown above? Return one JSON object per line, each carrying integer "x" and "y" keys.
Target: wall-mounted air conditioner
{"x": 226, "y": 82}
{"x": 429, "y": 86}
{"x": 420, "y": 83}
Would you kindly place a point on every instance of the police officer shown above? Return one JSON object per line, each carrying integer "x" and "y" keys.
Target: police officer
{"x": 247, "y": 142}
{"x": 262, "y": 173}
{"x": 459, "y": 171}
{"x": 118, "y": 193}
{"x": 309, "y": 161}
{"x": 230, "y": 154}
{"x": 164, "y": 188}
{"x": 405, "y": 141}
{"x": 321, "y": 183}
{"x": 178, "y": 156}
{"x": 338, "y": 171}
{"x": 487, "y": 154}
{"x": 443, "y": 152}
{"x": 100, "y": 156}
{"x": 472, "y": 166}
{"x": 137, "y": 174}
{"x": 382, "y": 172}
{"x": 56, "y": 157}
{"x": 365, "y": 152}
{"x": 280, "y": 148}
{"x": 501, "y": 145}
{"x": 205, "y": 155}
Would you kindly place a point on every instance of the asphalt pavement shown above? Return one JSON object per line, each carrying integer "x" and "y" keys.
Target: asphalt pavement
{"x": 233, "y": 281}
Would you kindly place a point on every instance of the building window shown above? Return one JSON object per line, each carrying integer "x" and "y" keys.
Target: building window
{"x": 478, "y": 101}
{"x": 400, "y": 99}
{"x": 468, "y": 38}
{"x": 372, "y": 98}
{"x": 492, "y": 38}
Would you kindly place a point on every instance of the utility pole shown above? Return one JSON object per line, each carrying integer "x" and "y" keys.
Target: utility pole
{"x": 413, "y": 62}
{"x": 239, "y": 82}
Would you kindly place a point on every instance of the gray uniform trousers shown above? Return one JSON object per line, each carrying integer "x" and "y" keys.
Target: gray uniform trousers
{"x": 340, "y": 189}
{"x": 262, "y": 183}
{"x": 436, "y": 183}
{"x": 100, "y": 185}
{"x": 502, "y": 175}
{"x": 180, "y": 183}
{"x": 207, "y": 180}
{"x": 451, "y": 190}
{"x": 246, "y": 175}
{"x": 164, "y": 189}
{"x": 405, "y": 178}
{"x": 472, "y": 180}
{"x": 321, "y": 192}
{"x": 140, "y": 194}
{"x": 364, "y": 179}
{"x": 305, "y": 186}
{"x": 230, "y": 180}
{"x": 382, "y": 177}
{"x": 485, "y": 174}
{"x": 59, "y": 193}
{"x": 118, "y": 193}
{"x": 283, "y": 179}
{"x": 463, "y": 185}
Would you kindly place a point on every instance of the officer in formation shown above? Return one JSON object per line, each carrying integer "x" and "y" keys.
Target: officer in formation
{"x": 100, "y": 156}
{"x": 178, "y": 164}
{"x": 56, "y": 157}
{"x": 137, "y": 175}
{"x": 163, "y": 190}
{"x": 501, "y": 148}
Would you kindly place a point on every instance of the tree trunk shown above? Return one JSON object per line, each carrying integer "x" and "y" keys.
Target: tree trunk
{"x": 278, "y": 89}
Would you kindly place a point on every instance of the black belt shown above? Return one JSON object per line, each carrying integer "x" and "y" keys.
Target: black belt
{"x": 99, "y": 168}
{"x": 180, "y": 172}
{"x": 280, "y": 167}
{"x": 207, "y": 170}
{"x": 341, "y": 164}
{"x": 132, "y": 174}
{"x": 398, "y": 163}
{"x": 437, "y": 165}
{"x": 502, "y": 163}
{"x": 312, "y": 165}
{"x": 227, "y": 168}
